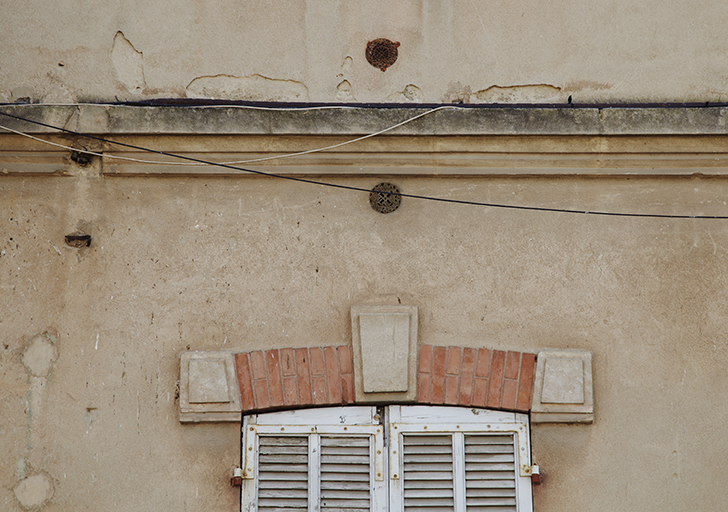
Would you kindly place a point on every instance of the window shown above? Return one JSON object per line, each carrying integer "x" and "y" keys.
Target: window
{"x": 396, "y": 459}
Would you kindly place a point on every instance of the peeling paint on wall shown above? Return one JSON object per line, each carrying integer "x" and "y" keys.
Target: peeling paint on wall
{"x": 457, "y": 93}
{"x": 343, "y": 92}
{"x": 411, "y": 93}
{"x": 537, "y": 93}
{"x": 247, "y": 88}
{"x": 128, "y": 63}
{"x": 22, "y": 95}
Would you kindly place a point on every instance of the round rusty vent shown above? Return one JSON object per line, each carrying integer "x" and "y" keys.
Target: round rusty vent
{"x": 382, "y": 53}
{"x": 385, "y": 198}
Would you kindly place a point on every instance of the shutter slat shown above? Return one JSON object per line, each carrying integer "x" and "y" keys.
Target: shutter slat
{"x": 284, "y": 484}
{"x": 496, "y": 448}
{"x": 429, "y": 457}
{"x": 344, "y": 468}
{"x": 339, "y": 485}
{"x": 341, "y": 476}
{"x": 490, "y": 466}
{"x": 501, "y": 493}
{"x": 285, "y": 458}
{"x": 283, "y": 474}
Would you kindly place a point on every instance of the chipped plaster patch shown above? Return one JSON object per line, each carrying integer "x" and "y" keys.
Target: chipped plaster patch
{"x": 457, "y": 93}
{"x": 39, "y": 355}
{"x": 410, "y": 94}
{"x": 343, "y": 92}
{"x": 34, "y": 491}
{"x": 539, "y": 93}
{"x": 128, "y": 63}
{"x": 247, "y": 88}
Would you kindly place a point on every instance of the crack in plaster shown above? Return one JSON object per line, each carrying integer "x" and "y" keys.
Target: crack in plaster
{"x": 247, "y": 88}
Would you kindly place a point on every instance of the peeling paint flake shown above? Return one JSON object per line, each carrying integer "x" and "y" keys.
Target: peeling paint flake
{"x": 128, "y": 63}
{"x": 247, "y": 88}
{"x": 410, "y": 94}
{"x": 537, "y": 93}
{"x": 343, "y": 92}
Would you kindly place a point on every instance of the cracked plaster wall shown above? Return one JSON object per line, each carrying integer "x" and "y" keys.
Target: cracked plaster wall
{"x": 154, "y": 51}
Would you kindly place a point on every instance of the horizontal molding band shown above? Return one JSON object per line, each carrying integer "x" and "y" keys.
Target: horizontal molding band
{"x": 490, "y": 120}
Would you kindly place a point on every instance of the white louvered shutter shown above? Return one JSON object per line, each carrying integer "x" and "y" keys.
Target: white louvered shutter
{"x": 490, "y": 473}
{"x": 458, "y": 460}
{"x": 283, "y": 473}
{"x": 345, "y": 474}
{"x": 427, "y": 474}
{"x": 302, "y": 461}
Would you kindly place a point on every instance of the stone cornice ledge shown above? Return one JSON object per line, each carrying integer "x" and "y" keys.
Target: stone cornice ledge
{"x": 359, "y": 120}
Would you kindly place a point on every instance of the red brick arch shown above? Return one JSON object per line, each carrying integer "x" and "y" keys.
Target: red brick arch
{"x": 293, "y": 378}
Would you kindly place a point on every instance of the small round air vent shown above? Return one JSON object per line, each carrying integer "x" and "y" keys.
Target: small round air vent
{"x": 385, "y": 198}
{"x": 382, "y": 53}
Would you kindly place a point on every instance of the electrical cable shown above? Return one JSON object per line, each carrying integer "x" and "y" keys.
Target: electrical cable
{"x": 349, "y": 187}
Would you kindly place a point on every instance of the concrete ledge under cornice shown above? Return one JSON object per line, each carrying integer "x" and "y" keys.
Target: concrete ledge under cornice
{"x": 361, "y": 120}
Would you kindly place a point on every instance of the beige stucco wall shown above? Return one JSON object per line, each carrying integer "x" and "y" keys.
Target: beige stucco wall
{"x": 296, "y": 50}
{"x": 243, "y": 263}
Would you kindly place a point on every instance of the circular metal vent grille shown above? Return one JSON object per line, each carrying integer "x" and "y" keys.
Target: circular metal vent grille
{"x": 382, "y": 53}
{"x": 385, "y": 198}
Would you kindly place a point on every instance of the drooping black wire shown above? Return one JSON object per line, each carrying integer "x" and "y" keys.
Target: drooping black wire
{"x": 359, "y": 189}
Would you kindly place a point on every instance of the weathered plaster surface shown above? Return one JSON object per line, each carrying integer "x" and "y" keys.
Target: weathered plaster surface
{"x": 574, "y": 46}
{"x": 243, "y": 264}
{"x": 89, "y": 355}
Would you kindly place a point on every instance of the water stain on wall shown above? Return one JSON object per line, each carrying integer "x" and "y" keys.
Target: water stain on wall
{"x": 39, "y": 354}
{"x": 34, "y": 491}
{"x": 246, "y": 88}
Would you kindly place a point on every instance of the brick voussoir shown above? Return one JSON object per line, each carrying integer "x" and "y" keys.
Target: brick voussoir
{"x": 324, "y": 376}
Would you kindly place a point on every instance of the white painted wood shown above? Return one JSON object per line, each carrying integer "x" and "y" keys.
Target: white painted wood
{"x": 353, "y": 415}
{"x": 314, "y": 472}
{"x": 346, "y": 473}
{"x": 248, "y": 491}
{"x": 427, "y": 473}
{"x": 458, "y": 469}
{"x": 436, "y": 414}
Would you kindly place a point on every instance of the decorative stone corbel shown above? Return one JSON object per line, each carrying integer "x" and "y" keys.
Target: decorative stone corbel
{"x": 563, "y": 387}
{"x": 208, "y": 387}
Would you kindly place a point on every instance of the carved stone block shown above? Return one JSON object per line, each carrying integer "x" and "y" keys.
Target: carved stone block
{"x": 208, "y": 387}
{"x": 563, "y": 387}
{"x": 385, "y": 352}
